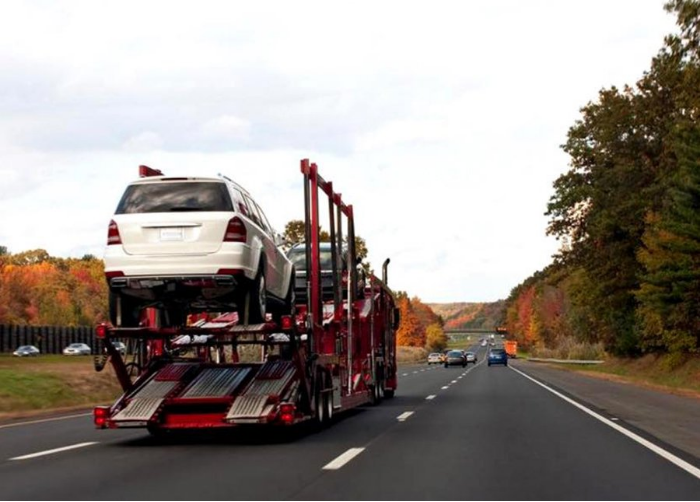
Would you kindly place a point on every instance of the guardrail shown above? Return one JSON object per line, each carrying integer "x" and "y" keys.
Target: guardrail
{"x": 48, "y": 339}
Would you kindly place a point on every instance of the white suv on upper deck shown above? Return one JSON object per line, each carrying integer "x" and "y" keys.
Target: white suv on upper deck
{"x": 184, "y": 244}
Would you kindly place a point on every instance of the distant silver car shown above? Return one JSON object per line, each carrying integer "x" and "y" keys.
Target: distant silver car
{"x": 77, "y": 349}
{"x": 26, "y": 351}
{"x": 455, "y": 358}
{"x": 471, "y": 357}
{"x": 121, "y": 348}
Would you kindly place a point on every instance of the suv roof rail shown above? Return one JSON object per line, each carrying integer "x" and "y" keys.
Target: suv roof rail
{"x": 235, "y": 184}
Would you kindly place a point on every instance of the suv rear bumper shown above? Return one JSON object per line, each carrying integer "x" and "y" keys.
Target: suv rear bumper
{"x": 230, "y": 256}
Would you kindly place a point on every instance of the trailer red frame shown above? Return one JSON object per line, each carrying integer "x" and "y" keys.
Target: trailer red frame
{"x": 334, "y": 354}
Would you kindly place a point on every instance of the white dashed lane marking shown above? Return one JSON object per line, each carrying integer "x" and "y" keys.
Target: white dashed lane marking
{"x": 55, "y": 450}
{"x": 343, "y": 459}
{"x": 404, "y": 416}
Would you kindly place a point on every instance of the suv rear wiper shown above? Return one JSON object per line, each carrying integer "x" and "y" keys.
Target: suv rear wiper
{"x": 185, "y": 208}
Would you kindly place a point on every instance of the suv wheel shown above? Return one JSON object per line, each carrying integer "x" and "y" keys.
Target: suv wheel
{"x": 257, "y": 306}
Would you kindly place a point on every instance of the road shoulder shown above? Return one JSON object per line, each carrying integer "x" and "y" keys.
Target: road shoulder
{"x": 671, "y": 418}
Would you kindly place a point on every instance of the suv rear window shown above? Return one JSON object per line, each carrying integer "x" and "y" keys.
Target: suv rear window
{"x": 170, "y": 197}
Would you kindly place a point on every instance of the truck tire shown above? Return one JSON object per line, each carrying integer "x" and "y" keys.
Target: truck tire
{"x": 328, "y": 402}
{"x": 258, "y": 297}
{"x": 389, "y": 393}
{"x": 320, "y": 408}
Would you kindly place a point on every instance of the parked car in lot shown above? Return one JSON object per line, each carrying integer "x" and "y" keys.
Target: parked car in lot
{"x": 498, "y": 356}
{"x": 193, "y": 243}
{"x": 77, "y": 349}
{"x": 121, "y": 348}
{"x": 434, "y": 358}
{"x": 471, "y": 357}
{"x": 26, "y": 351}
{"x": 455, "y": 358}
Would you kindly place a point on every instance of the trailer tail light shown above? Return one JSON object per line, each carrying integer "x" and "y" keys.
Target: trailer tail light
{"x": 101, "y": 331}
{"x": 236, "y": 231}
{"x": 287, "y": 413}
{"x": 113, "y": 236}
{"x": 287, "y": 322}
{"x": 100, "y": 415}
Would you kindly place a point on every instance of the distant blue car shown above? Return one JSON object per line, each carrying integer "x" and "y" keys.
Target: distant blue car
{"x": 498, "y": 356}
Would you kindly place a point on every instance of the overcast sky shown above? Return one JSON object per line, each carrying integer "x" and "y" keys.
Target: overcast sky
{"x": 441, "y": 122}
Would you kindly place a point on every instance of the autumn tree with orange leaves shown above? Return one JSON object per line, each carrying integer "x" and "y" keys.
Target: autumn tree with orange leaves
{"x": 37, "y": 289}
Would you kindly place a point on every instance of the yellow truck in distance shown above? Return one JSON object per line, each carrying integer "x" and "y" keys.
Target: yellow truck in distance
{"x": 511, "y": 347}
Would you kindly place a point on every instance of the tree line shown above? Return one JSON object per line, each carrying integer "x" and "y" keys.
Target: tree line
{"x": 37, "y": 289}
{"x": 627, "y": 214}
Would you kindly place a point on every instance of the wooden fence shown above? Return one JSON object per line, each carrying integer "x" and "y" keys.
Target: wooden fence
{"x": 48, "y": 339}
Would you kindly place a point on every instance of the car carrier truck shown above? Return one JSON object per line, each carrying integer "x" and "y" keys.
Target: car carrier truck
{"x": 336, "y": 352}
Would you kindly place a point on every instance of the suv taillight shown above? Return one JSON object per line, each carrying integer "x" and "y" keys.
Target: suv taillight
{"x": 113, "y": 236}
{"x": 235, "y": 231}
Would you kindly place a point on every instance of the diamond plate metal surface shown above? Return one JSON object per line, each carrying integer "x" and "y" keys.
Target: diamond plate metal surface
{"x": 139, "y": 409}
{"x": 216, "y": 382}
{"x": 247, "y": 407}
{"x": 155, "y": 389}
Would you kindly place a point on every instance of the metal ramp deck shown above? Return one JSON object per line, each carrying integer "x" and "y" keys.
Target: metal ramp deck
{"x": 271, "y": 380}
{"x": 215, "y": 382}
{"x": 146, "y": 401}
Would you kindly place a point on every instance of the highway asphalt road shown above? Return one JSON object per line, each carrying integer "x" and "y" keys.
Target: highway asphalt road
{"x": 481, "y": 433}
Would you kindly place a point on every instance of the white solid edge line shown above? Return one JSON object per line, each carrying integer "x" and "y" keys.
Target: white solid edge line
{"x": 431, "y": 396}
{"x": 404, "y": 416}
{"x": 343, "y": 459}
{"x": 55, "y": 450}
{"x": 41, "y": 421}
{"x": 689, "y": 468}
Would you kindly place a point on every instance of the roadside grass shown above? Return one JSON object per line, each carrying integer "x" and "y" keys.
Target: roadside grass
{"x": 51, "y": 382}
{"x": 651, "y": 370}
{"x": 411, "y": 355}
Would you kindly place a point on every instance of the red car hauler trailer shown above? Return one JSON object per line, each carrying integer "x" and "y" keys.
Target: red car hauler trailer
{"x": 333, "y": 354}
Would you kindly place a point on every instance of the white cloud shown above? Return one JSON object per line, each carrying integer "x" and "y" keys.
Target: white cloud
{"x": 143, "y": 142}
{"x": 440, "y": 121}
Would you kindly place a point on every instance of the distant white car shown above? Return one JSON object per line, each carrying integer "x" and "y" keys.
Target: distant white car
{"x": 434, "y": 358}
{"x": 26, "y": 351}
{"x": 194, "y": 243}
{"x": 77, "y": 349}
